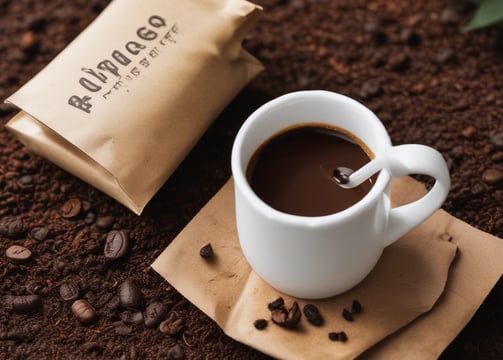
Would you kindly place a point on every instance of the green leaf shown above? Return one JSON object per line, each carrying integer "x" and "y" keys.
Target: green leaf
{"x": 489, "y": 12}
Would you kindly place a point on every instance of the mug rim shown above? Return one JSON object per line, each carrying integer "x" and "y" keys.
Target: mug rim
{"x": 239, "y": 173}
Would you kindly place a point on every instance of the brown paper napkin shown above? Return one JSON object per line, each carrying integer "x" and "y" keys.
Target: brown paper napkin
{"x": 475, "y": 271}
{"x": 405, "y": 285}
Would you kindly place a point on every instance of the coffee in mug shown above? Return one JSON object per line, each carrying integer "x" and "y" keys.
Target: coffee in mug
{"x": 293, "y": 171}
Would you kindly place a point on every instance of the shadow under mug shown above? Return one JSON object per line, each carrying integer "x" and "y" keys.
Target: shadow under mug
{"x": 322, "y": 256}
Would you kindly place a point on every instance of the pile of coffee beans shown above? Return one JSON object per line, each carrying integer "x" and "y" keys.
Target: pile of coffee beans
{"x": 290, "y": 316}
{"x": 123, "y": 305}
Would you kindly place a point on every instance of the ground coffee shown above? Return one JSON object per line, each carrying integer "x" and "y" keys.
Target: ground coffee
{"x": 293, "y": 171}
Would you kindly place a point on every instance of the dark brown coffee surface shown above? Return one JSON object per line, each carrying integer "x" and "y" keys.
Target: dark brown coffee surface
{"x": 293, "y": 171}
{"x": 407, "y": 61}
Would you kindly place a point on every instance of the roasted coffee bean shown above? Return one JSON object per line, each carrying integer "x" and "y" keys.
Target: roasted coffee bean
{"x": 12, "y": 228}
{"x": 132, "y": 317}
{"x": 176, "y": 353}
{"x": 18, "y": 254}
{"x": 469, "y": 132}
{"x": 137, "y": 318}
{"x": 288, "y": 318}
{"x": 497, "y": 156}
{"x": 172, "y": 325}
{"x": 117, "y": 244}
{"x": 154, "y": 314}
{"x": 130, "y": 295}
{"x": 276, "y": 304}
{"x": 25, "y": 182}
{"x": 496, "y": 139}
{"x": 338, "y": 336}
{"x": 90, "y": 218}
{"x": 86, "y": 206}
{"x": 39, "y": 232}
{"x": 346, "y": 314}
{"x": 492, "y": 176}
{"x": 22, "y": 304}
{"x": 341, "y": 174}
{"x": 83, "y": 311}
{"x": 69, "y": 291}
{"x": 71, "y": 208}
{"x": 104, "y": 223}
{"x": 260, "y": 324}
{"x": 206, "y": 251}
{"x": 356, "y": 307}
{"x": 313, "y": 315}
{"x": 28, "y": 41}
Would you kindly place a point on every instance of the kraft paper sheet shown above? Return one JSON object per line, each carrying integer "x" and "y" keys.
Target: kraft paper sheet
{"x": 422, "y": 292}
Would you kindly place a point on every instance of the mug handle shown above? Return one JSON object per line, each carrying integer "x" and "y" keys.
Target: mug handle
{"x": 416, "y": 159}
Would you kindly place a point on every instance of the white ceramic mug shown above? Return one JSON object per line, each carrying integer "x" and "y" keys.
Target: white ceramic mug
{"x": 318, "y": 257}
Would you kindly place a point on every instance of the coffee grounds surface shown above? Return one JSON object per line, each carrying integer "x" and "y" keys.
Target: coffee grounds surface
{"x": 409, "y": 62}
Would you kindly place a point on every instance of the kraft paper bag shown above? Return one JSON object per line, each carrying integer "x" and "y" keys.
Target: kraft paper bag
{"x": 422, "y": 292}
{"x": 124, "y": 103}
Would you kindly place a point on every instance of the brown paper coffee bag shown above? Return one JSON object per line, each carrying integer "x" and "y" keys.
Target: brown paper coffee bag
{"x": 124, "y": 103}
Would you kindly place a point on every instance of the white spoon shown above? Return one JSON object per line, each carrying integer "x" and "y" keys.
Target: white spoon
{"x": 348, "y": 178}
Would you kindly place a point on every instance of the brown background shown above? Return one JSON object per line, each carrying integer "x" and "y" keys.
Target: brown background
{"x": 408, "y": 61}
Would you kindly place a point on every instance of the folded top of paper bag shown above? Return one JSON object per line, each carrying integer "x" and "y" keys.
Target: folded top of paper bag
{"x": 123, "y": 104}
